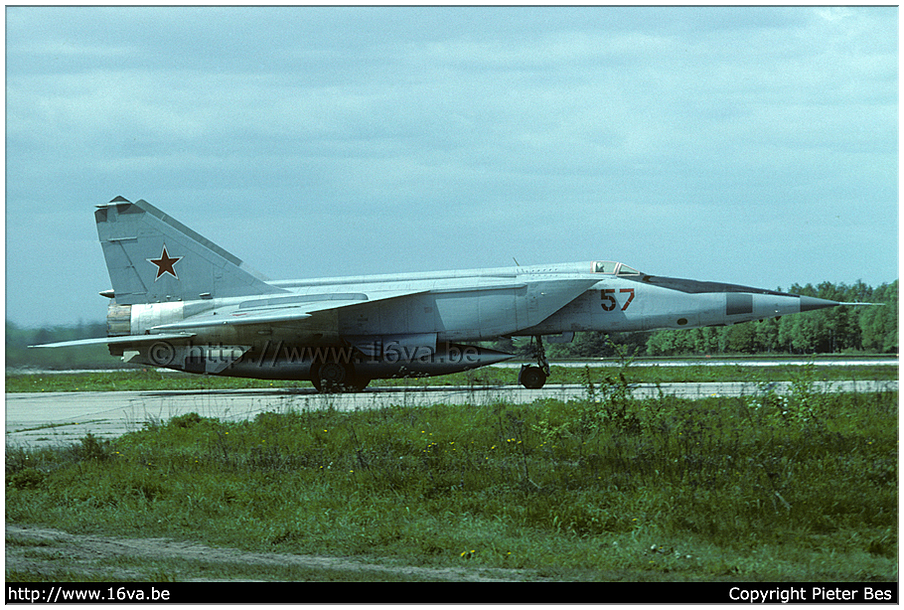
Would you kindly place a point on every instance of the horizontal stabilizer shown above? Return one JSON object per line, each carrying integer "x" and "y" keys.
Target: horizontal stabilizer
{"x": 115, "y": 340}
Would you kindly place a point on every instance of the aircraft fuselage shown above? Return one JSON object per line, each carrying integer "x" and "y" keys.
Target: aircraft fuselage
{"x": 182, "y": 302}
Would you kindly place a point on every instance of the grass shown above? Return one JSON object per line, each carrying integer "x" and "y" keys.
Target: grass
{"x": 151, "y": 379}
{"x": 764, "y": 488}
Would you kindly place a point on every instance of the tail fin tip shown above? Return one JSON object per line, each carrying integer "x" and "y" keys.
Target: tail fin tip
{"x": 142, "y": 246}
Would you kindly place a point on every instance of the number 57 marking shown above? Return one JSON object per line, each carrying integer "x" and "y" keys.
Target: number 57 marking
{"x": 609, "y": 303}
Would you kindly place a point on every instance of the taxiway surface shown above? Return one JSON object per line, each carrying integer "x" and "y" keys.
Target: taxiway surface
{"x": 59, "y": 418}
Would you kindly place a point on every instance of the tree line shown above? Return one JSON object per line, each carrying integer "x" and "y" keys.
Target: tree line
{"x": 870, "y": 329}
{"x": 18, "y": 339}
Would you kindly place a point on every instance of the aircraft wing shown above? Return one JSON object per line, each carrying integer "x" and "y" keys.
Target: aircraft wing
{"x": 281, "y": 310}
{"x": 121, "y": 339}
{"x": 552, "y": 295}
{"x": 547, "y": 296}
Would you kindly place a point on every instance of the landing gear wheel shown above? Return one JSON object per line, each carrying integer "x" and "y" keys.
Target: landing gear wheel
{"x": 333, "y": 377}
{"x": 330, "y": 378}
{"x": 532, "y": 377}
{"x": 356, "y": 384}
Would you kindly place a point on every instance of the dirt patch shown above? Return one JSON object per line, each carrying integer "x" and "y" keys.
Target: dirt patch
{"x": 37, "y": 550}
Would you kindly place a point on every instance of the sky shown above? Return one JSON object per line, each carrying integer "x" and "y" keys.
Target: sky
{"x": 750, "y": 145}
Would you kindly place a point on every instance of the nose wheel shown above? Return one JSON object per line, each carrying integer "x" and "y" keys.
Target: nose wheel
{"x": 533, "y": 377}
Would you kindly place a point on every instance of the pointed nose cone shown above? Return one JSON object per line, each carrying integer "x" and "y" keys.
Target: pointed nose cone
{"x": 812, "y": 303}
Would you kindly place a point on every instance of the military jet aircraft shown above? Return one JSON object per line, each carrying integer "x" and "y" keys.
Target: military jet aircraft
{"x": 180, "y": 301}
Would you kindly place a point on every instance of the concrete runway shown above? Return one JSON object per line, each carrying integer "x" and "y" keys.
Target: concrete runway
{"x": 758, "y": 362}
{"x": 60, "y": 418}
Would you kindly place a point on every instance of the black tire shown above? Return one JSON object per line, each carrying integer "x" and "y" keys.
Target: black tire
{"x": 357, "y": 384}
{"x": 532, "y": 377}
{"x": 333, "y": 377}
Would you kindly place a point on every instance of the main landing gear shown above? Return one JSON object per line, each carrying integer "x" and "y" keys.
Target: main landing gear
{"x": 335, "y": 377}
{"x": 534, "y": 377}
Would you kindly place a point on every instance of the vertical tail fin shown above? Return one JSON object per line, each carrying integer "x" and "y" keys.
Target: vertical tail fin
{"x": 153, "y": 258}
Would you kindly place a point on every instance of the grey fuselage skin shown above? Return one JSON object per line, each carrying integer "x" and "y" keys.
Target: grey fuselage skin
{"x": 182, "y": 302}
{"x": 453, "y": 308}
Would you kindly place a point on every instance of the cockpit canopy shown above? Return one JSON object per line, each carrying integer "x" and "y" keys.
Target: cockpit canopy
{"x": 614, "y": 268}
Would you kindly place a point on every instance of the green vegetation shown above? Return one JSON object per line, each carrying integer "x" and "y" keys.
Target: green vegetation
{"x": 151, "y": 379}
{"x": 19, "y": 356}
{"x": 134, "y": 380}
{"x": 839, "y": 329}
{"x": 767, "y": 488}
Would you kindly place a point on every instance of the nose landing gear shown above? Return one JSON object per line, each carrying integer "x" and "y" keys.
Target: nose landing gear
{"x": 533, "y": 377}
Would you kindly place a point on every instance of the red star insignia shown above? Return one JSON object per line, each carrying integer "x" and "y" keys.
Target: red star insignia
{"x": 165, "y": 264}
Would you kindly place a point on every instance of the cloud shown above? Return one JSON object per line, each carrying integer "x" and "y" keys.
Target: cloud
{"x": 651, "y": 134}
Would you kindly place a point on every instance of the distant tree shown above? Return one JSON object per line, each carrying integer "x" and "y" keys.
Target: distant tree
{"x": 741, "y": 339}
{"x": 879, "y": 325}
{"x": 707, "y": 340}
{"x": 835, "y": 329}
{"x": 661, "y": 343}
{"x": 767, "y": 335}
{"x": 18, "y": 355}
